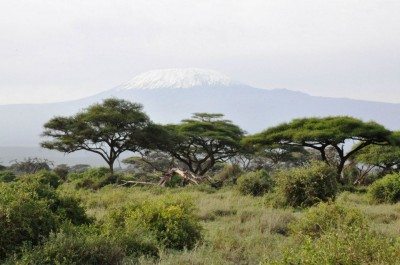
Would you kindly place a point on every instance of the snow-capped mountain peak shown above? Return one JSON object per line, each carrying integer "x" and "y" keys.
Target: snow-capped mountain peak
{"x": 177, "y": 78}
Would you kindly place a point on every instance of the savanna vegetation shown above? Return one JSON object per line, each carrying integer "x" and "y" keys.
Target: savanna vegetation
{"x": 203, "y": 191}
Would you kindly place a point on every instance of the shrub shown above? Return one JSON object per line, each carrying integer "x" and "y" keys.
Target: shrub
{"x": 62, "y": 171}
{"x": 29, "y": 211}
{"x": 7, "y": 176}
{"x": 170, "y": 220}
{"x": 94, "y": 178}
{"x": 227, "y": 175}
{"x": 353, "y": 246}
{"x": 385, "y": 190}
{"x": 69, "y": 209}
{"x": 84, "y": 245}
{"x": 307, "y": 185}
{"x": 325, "y": 217}
{"x": 43, "y": 177}
{"x": 334, "y": 234}
{"x": 254, "y": 183}
{"x": 24, "y": 219}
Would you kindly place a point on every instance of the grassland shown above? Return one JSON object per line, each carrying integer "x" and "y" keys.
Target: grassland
{"x": 237, "y": 229}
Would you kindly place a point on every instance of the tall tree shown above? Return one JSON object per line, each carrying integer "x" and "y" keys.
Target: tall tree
{"x": 107, "y": 129}
{"x": 202, "y": 141}
{"x": 322, "y": 133}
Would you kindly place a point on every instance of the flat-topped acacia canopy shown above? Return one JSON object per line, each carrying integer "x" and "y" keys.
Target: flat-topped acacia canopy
{"x": 319, "y": 133}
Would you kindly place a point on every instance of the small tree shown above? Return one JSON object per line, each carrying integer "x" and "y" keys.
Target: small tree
{"x": 202, "y": 141}
{"x": 386, "y": 158}
{"x": 323, "y": 133}
{"x": 30, "y": 165}
{"x": 150, "y": 162}
{"x": 107, "y": 129}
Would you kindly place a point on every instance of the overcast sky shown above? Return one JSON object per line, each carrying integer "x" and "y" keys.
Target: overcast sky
{"x": 59, "y": 50}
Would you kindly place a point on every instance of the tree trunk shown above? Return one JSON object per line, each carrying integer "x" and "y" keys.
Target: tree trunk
{"x": 111, "y": 166}
{"x": 340, "y": 168}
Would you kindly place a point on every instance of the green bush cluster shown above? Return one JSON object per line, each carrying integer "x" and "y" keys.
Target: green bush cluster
{"x": 326, "y": 217}
{"x": 43, "y": 177}
{"x": 93, "y": 178}
{"x": 85, "y": 245}
{"x": 171, "y": 221}
{"x": 228, "y": 174}
{"x": 7, "y": 176}
{"x": 255, "y": 183}
{"x": 30, "y": 211}
{"x": 386, "y": 190}
{"x": 333, "y": 234}
{"x": 305, "y": 186}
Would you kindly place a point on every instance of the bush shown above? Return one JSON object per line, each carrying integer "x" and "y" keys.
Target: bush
{"x": 325, "y": 217}
{"x": 43, "y": 177}
{"x": 69, "y": 209}
{"x": 24, "y": 219}
{"x": 307, "y": 185}
{"x": 84, "y": 245}
{"x": 353, "y": 246}
{"x": 94, "y": 178}
{"x": 334, "y": 234}
{"x": 255, "y": 183}
{"x": 227, "y": 175}
{"x": 170, "y": 221}
{"x": 385, "y": 190}
{"x": 29, "y": 211}
{"x": 7, "y": 176}
{"x": 62, "y": 171}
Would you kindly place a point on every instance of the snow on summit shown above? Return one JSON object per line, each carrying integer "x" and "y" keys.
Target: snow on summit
{"x": 177, "y": 78}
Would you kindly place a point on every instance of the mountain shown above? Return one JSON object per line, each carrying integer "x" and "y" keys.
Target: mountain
{"x": 170, "y": 95}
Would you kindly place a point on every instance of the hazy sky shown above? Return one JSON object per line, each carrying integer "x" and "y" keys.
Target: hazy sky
{"x": 59, "y": 50}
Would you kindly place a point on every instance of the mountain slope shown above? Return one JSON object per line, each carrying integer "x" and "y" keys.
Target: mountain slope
{"x": 196, "y": 90}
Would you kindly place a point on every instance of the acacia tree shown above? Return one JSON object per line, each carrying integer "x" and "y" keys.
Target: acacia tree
{"x": 107, "y": 129}
{"x": 202, "y": 141}
{"x": 271, "y": 157}
{"x": 321, "y": 133}
{"x": 386, "y": 158}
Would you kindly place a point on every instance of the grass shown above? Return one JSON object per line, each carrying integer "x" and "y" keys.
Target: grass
{"x": 237, "y": 229}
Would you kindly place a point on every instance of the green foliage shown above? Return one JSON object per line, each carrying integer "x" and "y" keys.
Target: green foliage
{"x": 69, "y": 209}
{"x": 330, "y": 130}
{"x": 227, "y": 175}
{"x": 201, "y": 142}
{"x": 7, "y": 176}
{"x": 150, "y": 162}
{"x": 62, "y": 171}
{"x": 94, "y": 178}
{"x": 350, "y": 247}
{"x": 106, "y": 129}
{"x": 85, "y": 245}
{"x": 171, "y": 221}
{"x": 325, "y": 217}
{"x": 333, "y": 234}
{"x": 43, "y": 177}
{"x": 307, "y": 185}
{"x": 30, "y": 211}
{"x": 94, "y": 173}
{"x": 323, "y": 133}
{"x": 386, "y": 190}
{"x": 385, "y": 157}
{"x": 24, "y": 219}
{"x": 30, "y": 165}
{"x": 255, "y": 183}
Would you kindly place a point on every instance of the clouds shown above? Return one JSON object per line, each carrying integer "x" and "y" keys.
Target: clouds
{"x": 55, "y": 50}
